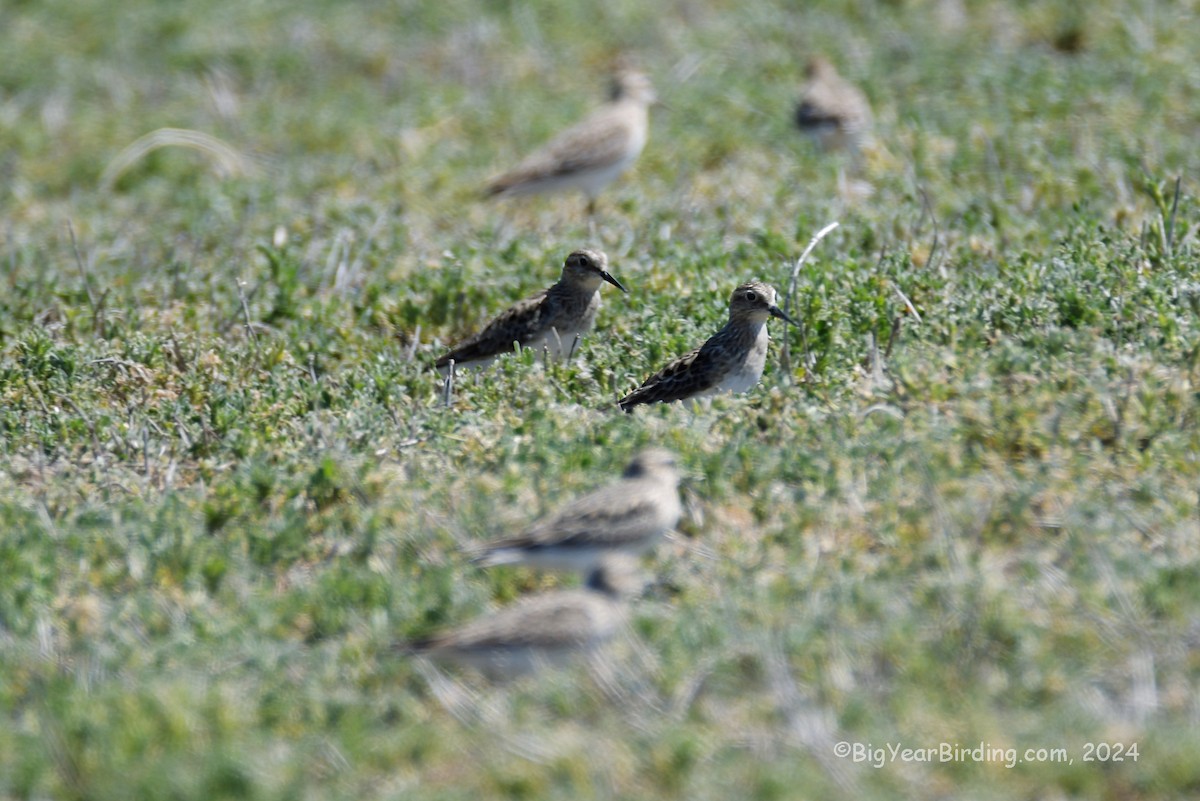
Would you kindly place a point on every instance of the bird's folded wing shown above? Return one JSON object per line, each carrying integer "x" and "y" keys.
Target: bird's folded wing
{"x": 516, "y": 324}
{"x": 682, "y": 378}
{"x": 598, "y": 141}
{"x": 607, "y": 518}
{"x": 523, "y": 625}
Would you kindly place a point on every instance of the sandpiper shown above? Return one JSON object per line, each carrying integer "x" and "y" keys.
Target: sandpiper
{"x": 627, "y": 516}
{"x": 551, "y": 318}
{"x": 592, "y": 153}
{"x": 832, "y": 110}
{"x": 732, "y": 360}
{"x": 543, "y": 629}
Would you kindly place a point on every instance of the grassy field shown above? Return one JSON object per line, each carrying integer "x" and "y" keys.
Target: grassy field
{"x": 230, "y": 484}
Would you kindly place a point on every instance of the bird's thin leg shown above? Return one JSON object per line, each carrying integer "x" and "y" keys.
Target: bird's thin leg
{"x": 448, "y": 386}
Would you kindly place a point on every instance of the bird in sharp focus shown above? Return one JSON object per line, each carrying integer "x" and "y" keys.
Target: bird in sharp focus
{"x": 550, "y": 319}
{"x": 732, "y": 360}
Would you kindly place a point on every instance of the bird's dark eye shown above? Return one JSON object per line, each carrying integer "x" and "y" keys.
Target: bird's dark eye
{"x": 751, "y": 295}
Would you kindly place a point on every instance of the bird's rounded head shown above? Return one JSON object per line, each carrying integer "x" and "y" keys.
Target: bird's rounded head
{"x": 589, "y": 268}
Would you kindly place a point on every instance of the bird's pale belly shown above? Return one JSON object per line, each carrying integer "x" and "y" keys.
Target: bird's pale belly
{"x": 559, "y": 342}
{"x": 743, "y": 377}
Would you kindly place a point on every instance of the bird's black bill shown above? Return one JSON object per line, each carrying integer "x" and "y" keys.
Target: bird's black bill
{"x": 778, "y": 312}
{"x": 607, "y": 276}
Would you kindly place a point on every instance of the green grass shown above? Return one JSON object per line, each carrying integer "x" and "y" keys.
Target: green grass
{"x": 230, "y": 483}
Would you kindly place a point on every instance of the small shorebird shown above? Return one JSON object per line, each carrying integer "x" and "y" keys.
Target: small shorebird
{"x": 551, "y": 318}
{"x": 627, "y": 516}
{"x": 732, "y": 360}
{"x": 832, "y": 110}
{"x": 541, "y": 629}
{"x": 590, "y": 154}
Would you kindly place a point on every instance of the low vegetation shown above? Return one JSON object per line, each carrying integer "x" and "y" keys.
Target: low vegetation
{"x": 964, "y": 511}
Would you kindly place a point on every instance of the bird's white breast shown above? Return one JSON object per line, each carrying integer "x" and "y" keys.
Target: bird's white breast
{"x": 746, "y": 373}
{"x": 559, "y": 339}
